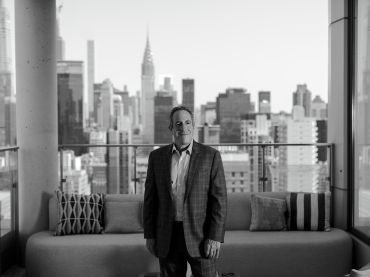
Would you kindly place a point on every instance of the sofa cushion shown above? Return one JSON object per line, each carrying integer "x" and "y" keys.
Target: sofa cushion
{"x": 309, "y": 211}
{"x": 79, "y": 214}
{"x": 123, "y": 217}
{"x": 287, "y": 253}
{"x": 239, "y": 208}
{"x": 268, "y": 214}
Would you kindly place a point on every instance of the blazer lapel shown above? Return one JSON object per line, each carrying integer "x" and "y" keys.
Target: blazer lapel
{"x": 167, "y": 169}
{"x": 194, "y": 161}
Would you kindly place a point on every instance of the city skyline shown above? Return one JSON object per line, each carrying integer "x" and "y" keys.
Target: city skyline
{"x": 229, "y": 49}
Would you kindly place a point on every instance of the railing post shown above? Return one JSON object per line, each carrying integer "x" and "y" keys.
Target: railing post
{"x": 263, "y": 168}
{"x": 62, "y": 179}
{"x": 135, "y": 179}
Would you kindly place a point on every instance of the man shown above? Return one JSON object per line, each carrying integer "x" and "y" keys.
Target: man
{"x": 185, "y": 202}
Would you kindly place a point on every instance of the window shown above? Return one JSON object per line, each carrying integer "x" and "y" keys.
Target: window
{"x": 361, "y": 122}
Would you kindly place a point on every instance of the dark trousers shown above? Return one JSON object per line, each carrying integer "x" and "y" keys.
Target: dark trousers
{"x": 175, "y": 264}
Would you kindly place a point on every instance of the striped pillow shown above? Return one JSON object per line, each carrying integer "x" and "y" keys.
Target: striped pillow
{"x": 309, "y": 211}
{"x": 79, "y": 214}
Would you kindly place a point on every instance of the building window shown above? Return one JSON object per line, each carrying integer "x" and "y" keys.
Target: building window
{"x": 361, "y": 125}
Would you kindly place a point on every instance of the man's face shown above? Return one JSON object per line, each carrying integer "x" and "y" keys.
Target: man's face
{"x": 183, "y": 128}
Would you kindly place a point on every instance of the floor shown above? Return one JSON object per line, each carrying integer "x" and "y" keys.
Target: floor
{"x": 15, "y": 271}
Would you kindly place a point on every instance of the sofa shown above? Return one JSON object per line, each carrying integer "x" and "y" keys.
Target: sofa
{"x": 255, "y": 254}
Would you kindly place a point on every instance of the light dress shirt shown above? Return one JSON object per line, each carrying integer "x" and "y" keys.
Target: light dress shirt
{"x": 179, "y": 173}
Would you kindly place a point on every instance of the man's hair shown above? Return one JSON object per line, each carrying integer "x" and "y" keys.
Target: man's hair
{"x": 176, "y": 109}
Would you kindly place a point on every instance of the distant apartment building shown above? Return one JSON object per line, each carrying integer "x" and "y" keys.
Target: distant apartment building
{"x": 264, "y": 102}
{"x": 188, "y": 94}
{"x": 229, "y": 108}
{"x": 119, "y": 162}
{"x": 75, "y": 178}
{"x": 237, "y": 172}
{"x": 168, "y": 88}
{"x": 209, "y": 133}
{"x": 302, "y": 97}
{"x": 319, "y": 109}
{"x": 163, "y": 103}
{"x": 297, "y": 165}
{"x": 255, "y": 129}
{"x": 208, "y": 113}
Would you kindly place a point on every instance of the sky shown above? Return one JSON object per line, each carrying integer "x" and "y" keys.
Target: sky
{"x": 258, "y": 45}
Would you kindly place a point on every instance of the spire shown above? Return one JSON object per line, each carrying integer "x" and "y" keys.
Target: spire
{"x": 147, "y": 67}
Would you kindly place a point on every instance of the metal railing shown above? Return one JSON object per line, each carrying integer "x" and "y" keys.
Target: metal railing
{"x": 9, "y": 206}
{"x": 263, "y": 146}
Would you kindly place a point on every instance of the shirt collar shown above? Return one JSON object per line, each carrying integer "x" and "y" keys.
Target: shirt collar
{"x": 189, "y": 150}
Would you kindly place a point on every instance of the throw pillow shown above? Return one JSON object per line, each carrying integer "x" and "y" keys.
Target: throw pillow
{"x": 309, "y": 211}
{"x": 268, "y": 214}
{"x": 359, "y": 273}
{"x": 79, "y": 214}
{"x": 123, "y": 217}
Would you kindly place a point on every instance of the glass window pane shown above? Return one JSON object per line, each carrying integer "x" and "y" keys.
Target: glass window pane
{"x": 362, "y": 118}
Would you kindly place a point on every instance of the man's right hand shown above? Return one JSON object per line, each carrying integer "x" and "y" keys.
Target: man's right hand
{"x": 150, "y": 244}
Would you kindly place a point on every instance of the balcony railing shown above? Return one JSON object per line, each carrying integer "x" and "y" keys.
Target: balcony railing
{"x": 121, "y": 168}
{"x": 8, "y": 205}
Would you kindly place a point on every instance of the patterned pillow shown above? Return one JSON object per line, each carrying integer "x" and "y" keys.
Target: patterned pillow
{"x": 79, "y": 214}
{"x": 268, "y": 214}
{"x": 309, "y": 211}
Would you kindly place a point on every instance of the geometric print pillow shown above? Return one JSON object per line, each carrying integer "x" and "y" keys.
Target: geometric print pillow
{"x": 309, "y": 211}
{"x": 79, "y": 214}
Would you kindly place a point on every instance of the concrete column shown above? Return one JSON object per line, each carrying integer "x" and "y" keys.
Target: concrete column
{"x": 37, "y": 126}
{"x": 338, "y": 112}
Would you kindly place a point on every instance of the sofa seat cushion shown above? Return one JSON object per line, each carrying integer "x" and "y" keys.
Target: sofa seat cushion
{"x": 107, "y": 255}
{"x": 287, "y": 253}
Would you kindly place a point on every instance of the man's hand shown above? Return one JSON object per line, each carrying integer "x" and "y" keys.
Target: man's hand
{"x": 150, "y": 244}
{"x": 212, "y": 249}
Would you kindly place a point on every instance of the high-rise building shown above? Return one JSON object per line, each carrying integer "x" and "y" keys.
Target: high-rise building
{"x": 119, "y": 163}
{"x": 97, "y": 101}
{"x": 70, "y": 103}
{"x": 90, "y": 79}
{"x": 60, "y": 55}
{"x": 125, "y": 99}
{"x": 229, "y": 108}
{"x": 7, "y": 96}
{"x": 188, "y": 94}
{"x": 208, "y": 113}
{"x": 148, "y": 94}
{"x": 264, "y": 102}
{"x": 255, "y": 128}
{"x": 302, "y": 97}
{"x": 319, "y": 109}
{"x": 134, "y": 111}
{"x": 106, "y": 110}
{"x": 162, "y": 107}
{"x": 168, "y": 87}
{"x": 209, "y": 133}
{"x": 298, "y": 163}
{"x": 236, "y": 171}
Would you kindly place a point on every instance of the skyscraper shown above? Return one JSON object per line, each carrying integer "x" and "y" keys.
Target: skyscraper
{"x": 168, "y": 87}
{"x": 70, "y": 103}
{"x": 119, "y": 159}
{"x": 148, "y": 93}
{"x": 188, "y": 94}
{"x": 162, "y": 105}
{"x": 319, "y": 109}
{"x": 7, "y": 96}
{"x": 90, "y": 78}
{"x": 264, "y": 102}
{"x": 302, "y": 97}
{"x": 229, "y": 108}
{"x": 106, "y": 111}
{"x": 60, "y": 55}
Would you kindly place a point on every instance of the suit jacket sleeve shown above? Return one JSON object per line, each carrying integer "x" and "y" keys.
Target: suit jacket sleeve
{"x": 217, "y": 200}
{"x": 150, "y": 202}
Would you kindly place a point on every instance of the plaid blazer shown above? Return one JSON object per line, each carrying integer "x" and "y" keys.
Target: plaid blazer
{"x": 205, "y": 199}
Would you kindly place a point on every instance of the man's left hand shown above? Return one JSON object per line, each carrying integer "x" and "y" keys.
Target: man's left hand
{"x": 212, "y": 249}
